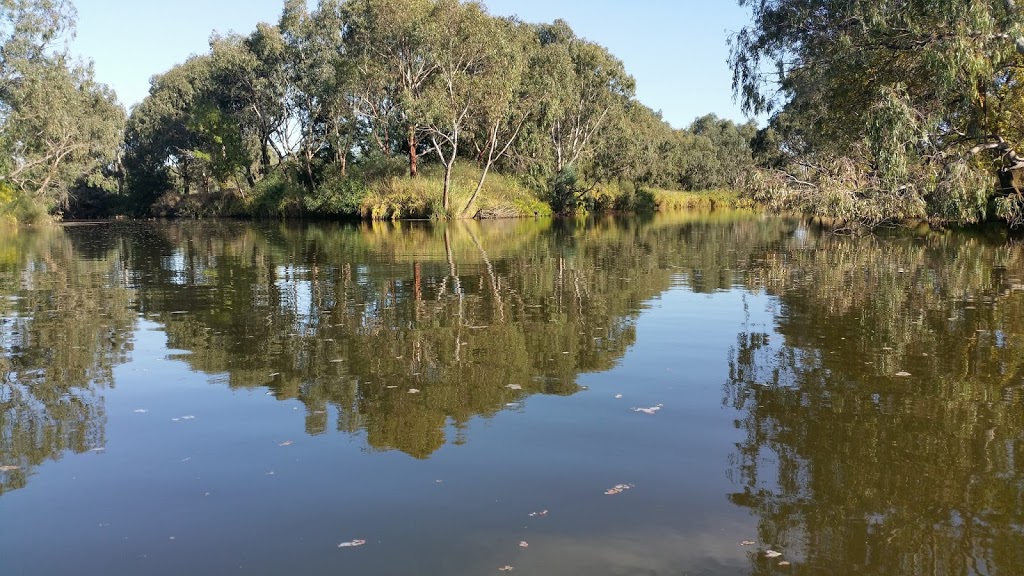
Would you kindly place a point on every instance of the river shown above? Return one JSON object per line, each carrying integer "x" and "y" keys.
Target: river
{"x": 696, "y": 393}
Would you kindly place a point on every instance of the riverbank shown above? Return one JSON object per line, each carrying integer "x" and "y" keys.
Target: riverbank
{"x": 386, "y": 193}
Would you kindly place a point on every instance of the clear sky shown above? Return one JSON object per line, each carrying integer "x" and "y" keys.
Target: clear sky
{"x": 676, "y": 49}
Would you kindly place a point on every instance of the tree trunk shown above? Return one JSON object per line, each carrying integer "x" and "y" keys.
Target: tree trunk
{"x": 412, "y": 152}
{"x": 265, "y": 158}
{"x": 309, "y": 169}
{"x": 445, "y": 196}
{"x": 479, "y": 187}
{"x": 1006, "y": 182}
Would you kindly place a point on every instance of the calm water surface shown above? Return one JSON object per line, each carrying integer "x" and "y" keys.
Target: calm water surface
{"x": 234, "y": 398}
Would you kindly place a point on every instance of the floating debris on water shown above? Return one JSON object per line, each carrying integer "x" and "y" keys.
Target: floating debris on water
{"x": 903, "y": 374}
{"x": 784, "y": 563}
{"x": 413, "y": 391}
{"x": 352, "y": 544}
{"x": 772, "y": 553}
{"x": 747, "y": 543}
{"x": 506, "y": 569}
{"x": 286, "y": 443}
{"x": 618, "y": 489}
{"x": 524, "y": 544}
{"x": 652, "y": 410}
{"x": 514, "y": 387}
{"x": 541, "y": 513}
{"x": 618, "y": 396}
{"x": 141, "y": 411}
{"x": 9, "y": 468}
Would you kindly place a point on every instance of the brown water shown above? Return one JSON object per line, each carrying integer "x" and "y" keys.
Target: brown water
{"x": 234, "y": 398}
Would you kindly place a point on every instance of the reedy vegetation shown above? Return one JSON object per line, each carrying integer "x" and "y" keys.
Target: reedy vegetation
{"x": 338, "y": 110}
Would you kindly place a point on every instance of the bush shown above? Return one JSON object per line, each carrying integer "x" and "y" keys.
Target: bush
{"x": 276, "y": 195}
{"x": 16, "y": 208}
{"x": 338, "y": 196}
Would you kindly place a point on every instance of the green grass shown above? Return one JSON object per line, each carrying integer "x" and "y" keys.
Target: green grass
{"x": 402, "y": 197}
{"x": 705, "y": 199}
{"x": 624, "y": 197}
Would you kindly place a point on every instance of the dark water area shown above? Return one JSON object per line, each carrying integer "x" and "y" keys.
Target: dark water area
{"x": 700, "y": 394}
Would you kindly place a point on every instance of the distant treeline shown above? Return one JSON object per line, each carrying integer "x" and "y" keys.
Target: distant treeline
{"x": 382, "y": 108}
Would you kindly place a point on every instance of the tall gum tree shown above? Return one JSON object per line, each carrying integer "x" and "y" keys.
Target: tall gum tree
{"x": 583, "y": 87}
{"x": 507, "y": 100}
{"x": 319, "y": 83}
{"x": 58, "y": 127}
{"x": 921, "y": 98}
{"x": 391, "y": 42}
{"x": 466, "y": 50}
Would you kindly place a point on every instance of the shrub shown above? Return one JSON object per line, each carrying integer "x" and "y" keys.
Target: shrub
{"x": 276, "y": 195}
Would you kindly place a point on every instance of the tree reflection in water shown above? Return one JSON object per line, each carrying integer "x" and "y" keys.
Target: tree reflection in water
{"x": 854, "y": 468}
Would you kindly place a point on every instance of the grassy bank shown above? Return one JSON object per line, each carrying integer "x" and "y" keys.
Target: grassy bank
{"x": 625, "y": 197}
{"x": 401, "y": 197}
{"x": 382, "y": 190}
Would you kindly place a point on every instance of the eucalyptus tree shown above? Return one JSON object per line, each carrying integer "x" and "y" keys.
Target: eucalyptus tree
{"x": 636, "y": 149}
{"x": 60, "y": 128}
{"x": 597, "y": 88}
{"x": 465, "y": 46}
{"x": 250, "y": 83}
{"x": 583, "y": 87}
{"x": 168, "y": 145}
{"x": 391, "y": 42}
{"x": 63, "y": 129}
{"x": 507, "y": 101}
{"x": 896, "y": 108}
{"x": 320, "y": 82}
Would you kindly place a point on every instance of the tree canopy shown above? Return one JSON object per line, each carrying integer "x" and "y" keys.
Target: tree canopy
{"x": 59, "y": 129}
{"x": 335, "y": 107}
{"x": 888, "y": 109}
{"x": 302, "y": 114}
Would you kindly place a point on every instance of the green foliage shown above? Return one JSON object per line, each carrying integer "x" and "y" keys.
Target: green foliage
{"x": 565, "y": 192}
{"x": 323, "y": 111}
{"x": 337, "y": 196}
{"x": 59, "y": 127}
{"x": 277, "y": 195}
{"x": 884, "y": 110}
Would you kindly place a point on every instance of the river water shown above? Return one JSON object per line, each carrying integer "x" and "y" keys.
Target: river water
{"x": 701, "y": 394}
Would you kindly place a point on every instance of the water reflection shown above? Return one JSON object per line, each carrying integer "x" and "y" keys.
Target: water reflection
{"x": 346, "y": 319}
{"x": 65, "y": 323}
{"x": 884, "y": 416}
{"x": 881, "y": 408}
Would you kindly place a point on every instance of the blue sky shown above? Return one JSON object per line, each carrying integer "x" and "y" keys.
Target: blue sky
{"x": 676, "y": 49}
